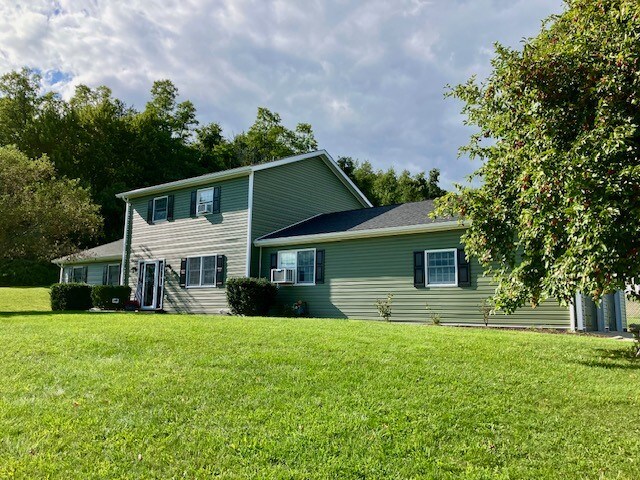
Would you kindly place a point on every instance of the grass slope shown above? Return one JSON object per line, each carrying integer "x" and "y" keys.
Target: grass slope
{"x": 167, "y": 396}
{"x": 15, "y": 299}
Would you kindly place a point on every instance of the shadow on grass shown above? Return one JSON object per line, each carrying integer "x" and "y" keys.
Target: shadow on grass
{"x": 45, "y": 312}
{"x": 613, "y": 358}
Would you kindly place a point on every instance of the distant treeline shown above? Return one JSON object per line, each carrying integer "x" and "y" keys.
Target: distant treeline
{"x": 111, "y": 147}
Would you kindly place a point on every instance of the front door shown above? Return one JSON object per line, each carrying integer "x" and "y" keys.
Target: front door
{"x": 152, "y": 281}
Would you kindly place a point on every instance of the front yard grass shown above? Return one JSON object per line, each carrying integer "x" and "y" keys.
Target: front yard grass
{"x": 16, "y": 299}
{"x": 172, "y": 396}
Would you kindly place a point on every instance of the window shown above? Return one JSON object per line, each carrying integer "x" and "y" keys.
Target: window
{"x": 201, "y": 271}
{"x": 66, "y": 274}
{"x": 113, "y": 274}
{"x": 160, "y": 208}
{"x": 302, "y": 261}
{"x": 442, "y": 267}
{"x": 78, "y": 275}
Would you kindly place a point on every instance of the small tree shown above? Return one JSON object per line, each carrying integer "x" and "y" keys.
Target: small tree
{"x": 384, "y": 307}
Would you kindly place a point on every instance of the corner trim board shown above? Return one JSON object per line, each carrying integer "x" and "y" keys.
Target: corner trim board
{"x": 249, "y": 221}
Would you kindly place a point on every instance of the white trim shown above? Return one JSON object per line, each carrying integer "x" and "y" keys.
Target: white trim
{"x": 426, "y": 267}
{"x": 352, "y": 234}
{"x": 215, "y": 271}
{"x": 187, "y": 182}
{"x": 61, "y": 272}
{"x": 242, "y": 171}
{"x": 249, "y": 221}
{"x": 296, "y": 251}
{"x": 572, "y": 316}
{"x": 123, "y": 260}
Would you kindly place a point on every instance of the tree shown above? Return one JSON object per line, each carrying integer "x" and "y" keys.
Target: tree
{"x": 267, "y": 139}
{"x": 386, "y": 187}
{"x": 42, "y": 216}
{"x": 558, "y": 210}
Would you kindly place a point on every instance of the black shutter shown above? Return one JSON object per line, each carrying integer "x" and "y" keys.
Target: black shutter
{"x": 105, "y": 275}
{"x": 216, "y": 200}
{"x": 464, "y": 270}
{"x": 273, "y": 263}
{"x": 170, "y": 207}
{"x": 319, "y": 266}
{"x": 194, "y": 196}
{"x": 418, "y": 269}
{"x": 219, "y": 270}
{"x": 150, "y": 211}
{"x": 183, "y": 272}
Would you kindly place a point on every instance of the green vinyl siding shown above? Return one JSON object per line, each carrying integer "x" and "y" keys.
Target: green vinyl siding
{"x": 360, "y": 271}
{"x": 290, "y": 193}
{"x": 223, "y": 233}
{"x": 95, "y": 270}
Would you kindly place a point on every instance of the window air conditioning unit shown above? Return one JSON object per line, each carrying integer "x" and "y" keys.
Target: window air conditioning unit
{"x": 204, "y": 208}
{"x": 283, "y": 275}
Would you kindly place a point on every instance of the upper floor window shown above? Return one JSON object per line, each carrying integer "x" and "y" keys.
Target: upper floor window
{"x": 160, "y": 208}
{"x": 442, "y": 267}
{"x": 302, "y": 261}
{"x": 208, "y": 201}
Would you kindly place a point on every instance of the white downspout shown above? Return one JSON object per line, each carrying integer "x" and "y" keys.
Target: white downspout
{"x": 579, "y": 312}
{"x": 61, "y": 272}
{"x": 249, "y": 220}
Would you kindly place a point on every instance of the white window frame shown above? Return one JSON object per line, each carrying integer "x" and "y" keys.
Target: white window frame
{"x": 73, "y": 275}
{"x": 212, "y": 189}
{"x": 116, "y": 265}
{"x": 215, "y": 270}
{"x": 426, "y": 267}
{"x": 296, "y": 283}
{"x": 153, "y": 217}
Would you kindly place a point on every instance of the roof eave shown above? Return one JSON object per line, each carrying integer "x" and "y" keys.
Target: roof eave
{"x": 78, "y": 260}
{"x": 354, "y": 234}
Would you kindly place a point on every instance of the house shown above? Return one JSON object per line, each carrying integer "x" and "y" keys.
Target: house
{"x": 303, "y": 224}
{"x": 96, "y": 266}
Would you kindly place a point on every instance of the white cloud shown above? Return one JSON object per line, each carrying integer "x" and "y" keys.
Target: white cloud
{"x": 369, "y": 76}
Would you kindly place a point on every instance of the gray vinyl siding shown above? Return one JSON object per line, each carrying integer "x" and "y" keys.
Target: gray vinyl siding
{"x": 358, "y": 272}
{"x": 224, "y": 233}
{"x": 290, "y": 193}
{"x": 94, "y": 270}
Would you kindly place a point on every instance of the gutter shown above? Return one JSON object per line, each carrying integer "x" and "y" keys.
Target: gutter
{"x": 354, "y": 234}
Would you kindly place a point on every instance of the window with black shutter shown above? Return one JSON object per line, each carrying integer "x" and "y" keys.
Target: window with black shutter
{"x": 319, "y": 266}
{"x": 170, "y": 202}
{"x": 219, "y": 270}
{"x": 194, "y": 201}
{"x": 216, "y": 200}
{"x": 183, "y": 272}
{"x": 464, "y": 269}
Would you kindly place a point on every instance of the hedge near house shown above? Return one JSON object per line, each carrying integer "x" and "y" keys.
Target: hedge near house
{"x": 71, "y": 296}
{"x": 110, "y": 297}
{"x": 250, "y": 296}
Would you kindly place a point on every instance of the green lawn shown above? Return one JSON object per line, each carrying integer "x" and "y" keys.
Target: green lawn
{"x": 24, "y": 299}
{"x": 171, "y": 396}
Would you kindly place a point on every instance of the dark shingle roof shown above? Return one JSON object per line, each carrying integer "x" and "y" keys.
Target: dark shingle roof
{"x": 401, "y": 215}
{"x": 107, "y": 251}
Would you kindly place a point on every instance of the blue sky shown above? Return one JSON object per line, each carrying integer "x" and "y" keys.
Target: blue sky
{"x": 368, "y": 76}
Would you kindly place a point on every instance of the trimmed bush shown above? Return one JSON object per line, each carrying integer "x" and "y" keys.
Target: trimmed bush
{"x": 27, "y": 273}
{"x": 250, "y": 296}
{"x": 71, "y": 296}
{"x": 103, "y": 296}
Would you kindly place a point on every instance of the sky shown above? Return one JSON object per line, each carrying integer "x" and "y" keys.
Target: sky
{"x": 369, "y": 76}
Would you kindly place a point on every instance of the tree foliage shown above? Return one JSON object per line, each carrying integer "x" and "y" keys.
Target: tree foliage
{"x": 387, "y": 187}
{"x": 42, "y": 216}
{"x": 558, "y": 210}
{"x": 111, "y": 147}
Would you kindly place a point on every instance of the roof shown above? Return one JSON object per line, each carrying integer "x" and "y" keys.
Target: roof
{"x": 248, "y": 170}
{"x": 388, "y": 220}
{"x": 106, "y": 252}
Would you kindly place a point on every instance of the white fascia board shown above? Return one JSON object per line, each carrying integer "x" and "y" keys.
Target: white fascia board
{"x": 331, "y": 163}
{"x": 353, "y": 234}
{"x": 78, "y": 260}
{"x": 187, "y": 182}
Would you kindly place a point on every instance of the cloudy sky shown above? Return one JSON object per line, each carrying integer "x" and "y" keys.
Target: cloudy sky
{"x": 369, "y": 76}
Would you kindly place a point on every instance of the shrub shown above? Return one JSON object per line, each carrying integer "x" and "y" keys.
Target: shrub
{"x": 384, "y": 307}
{"x": 27, "y": 273}
{"x": 635, "y": 349}
{"x": 103, "y": 296}
{"x": 250, "y": 296}
{"x": 71, "y": 296}
{"x": 435, "y": 316}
